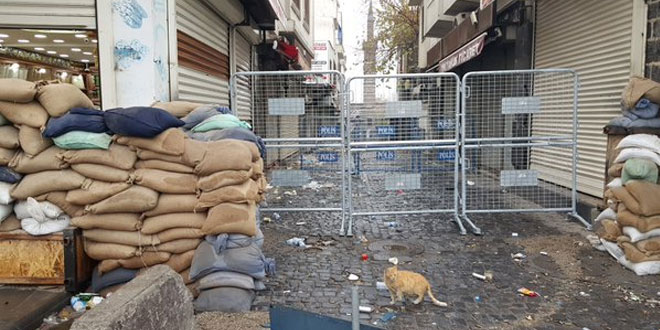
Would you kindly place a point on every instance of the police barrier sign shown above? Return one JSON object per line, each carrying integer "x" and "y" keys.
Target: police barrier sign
{"x": 446, "y": 155}
{"x": 327, "y": 157}
{"x": 329, "y": 131}
{"x": 385, "y": 130}
{"x": 385, "y": 155}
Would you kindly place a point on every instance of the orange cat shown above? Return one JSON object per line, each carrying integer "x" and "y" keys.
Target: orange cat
{"x": 403, "y": 284}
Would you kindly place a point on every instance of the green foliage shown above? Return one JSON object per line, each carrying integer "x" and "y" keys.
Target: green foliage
{"x": 397, "y": 28}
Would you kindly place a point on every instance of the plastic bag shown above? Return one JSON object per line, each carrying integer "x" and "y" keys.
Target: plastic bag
{"x": 34, "y": 227}
{"x": 646, "y": 141}
{"x": 628, "y": 153}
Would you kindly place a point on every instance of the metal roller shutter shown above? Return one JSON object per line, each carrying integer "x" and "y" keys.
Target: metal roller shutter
{"x": 48, "y": 13}
{"x": 605, "y": 53}
{"x": 203, "y": 46}
{"x": 243, "y": 63}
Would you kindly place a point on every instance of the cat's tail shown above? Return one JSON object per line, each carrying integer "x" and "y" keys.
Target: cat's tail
{"x": 435, "y": 301}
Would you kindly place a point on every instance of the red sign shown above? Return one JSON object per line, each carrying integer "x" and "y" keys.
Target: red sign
{"x": 471, "y": 50}
{"x": 485, "y": 3}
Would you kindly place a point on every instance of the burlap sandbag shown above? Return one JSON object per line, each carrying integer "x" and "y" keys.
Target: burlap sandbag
{"x": 649, "y": 246}
{"x": 607, "y": 229}
{"x": 107, "y": 265}
{"x": 159, "y": 223}
{"x": 182, "y": 261}
{"x": 223, "y": 179}
{"x": 46, "y": 160}
{"x": 36, "y": 184}
{"x": 244, "y": 192}
{"x": 177, "y": 108}
{"x": 31, "y": 114}
{"x": 17, "y": 90}
{"x": 640, "y": 87}
{"x": 59, "y": 199}
{"x": 9, "y": 137}
{"x": 193, "y": 152}
{"x": 166, "y": 182}
{"x": 625, "y": 218}
{"x": 58, "y": 99}
{"x": 163, "y": 165}
{"x": 134, "y": 199}
{"x": 145, "y": 260}
{"x": 231, "y": 218}
{"x": 262, "y": 184}
{"x": 6, "y": 156}
{"x": 615, "y": 170}
{"x": 640, "y": 197}
{"x": 178, "y": 233}
{"x": 11, "y": 223}
{"x": 257, "y": 168}
{"x": 111, "y": 221}
{"x": 31, "y": 140}
{"x": 102, "y": 172}
{"x": 132, "y": 238}
{"x": 633, "y": 253}
{"x": 170, "y": 142}
{"x": 227, "y": 155}
{"x": 176, "y": 246}
{"x": 117, "y": 156}
{"x": 95, "y": 191}
{"x": 186, "y": 276}
{"x": 103, "y": 251}
{"x": 173, "y": 203}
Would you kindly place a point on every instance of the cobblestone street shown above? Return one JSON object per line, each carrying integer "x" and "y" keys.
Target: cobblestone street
{"x": 579, "y": 287}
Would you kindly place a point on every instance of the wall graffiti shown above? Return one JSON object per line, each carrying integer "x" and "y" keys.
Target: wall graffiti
{"x": 130, "y": 12}
{"x": 128, "y": 52}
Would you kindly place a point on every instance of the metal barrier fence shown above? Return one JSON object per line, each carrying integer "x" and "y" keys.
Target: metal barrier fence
{"x": 403, "y": 144}
{"x": 519, "y": 137}
{"x": 299, "y": 116}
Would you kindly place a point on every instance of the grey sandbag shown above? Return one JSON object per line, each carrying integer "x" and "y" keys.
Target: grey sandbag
{"x": 232, "y": 241}
{"x": 8, "y": 175}
{"x": 202, "y": 113}
{"x": 219, "y": 279}
{"x": 114, "y": 277}
{"x": 248, "y": 260}
{"x": 225, "y": 299}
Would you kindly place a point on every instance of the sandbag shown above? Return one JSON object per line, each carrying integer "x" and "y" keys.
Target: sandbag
{"x": 225, "y": 278}
{"x": 223, "y": 242}
{"x": 58, "y": 198}
{"x": 636, "y": 236}
{"x": 178, "y": 233}
{"x": 95, "y": 191}
{"x": 107, "y": 265}
{"x": 607, "y": 229}
{"x": 131, "y": 238}
{"x": 248, "y": 260}
{"x": 186, "y": 276}
{"x": 245, "y": 192}
{"x": 232, "y": 219}
{"x": 608, "y": 213}
{"x": 258, "y": 168}
{"x": 201, "y": 113}
{"x": 225, "y": 300}
{"x": 31, "y": 140}
{"x": 5, "y": 196}
{"x": 237, "y": 133}
{"x": 637, "y": 88}
{"x": 37, "y": 228}
{"x": 615, "y": 170}
{"x": 163, "y": 165}
{"x": 46, "y": 160}
{"x": 10, "y": 223}
{"x": 219, "y": 122}
{"x": 147, "y": 259}
{"x": 616, "y": 182}
{"x": 223, "y": 179}
{"x": 646, "y": 141}
{"x": 9, "y": 137}
{"x": 182, "y": 261}
{"x": 226, "y": 155}
{"x": 5, "y": 211}
{"x": 176, "y": 246}
{"x": 639, "y": 169}
{"x": 117, "y": 156}
{"x": 83, "y": 140}
{"x": 111, "y": 221}
{"x": 6, "y": 156}
{"x": 31, "y": 114}
{"x": 103, "y": 251}
{"x": 640, "y": 197}
{"x": 8, "y": 175}
{"x": 173, "y": 203}
{"x": 170, "y": 142}
{"x": 628, "y": 153}
{"x": 166, "y": 182}
{"x": 143, "y": 122}
{"x": 4, "y": 121}
{"x": 17, "y": 90}
{"x": 57, "y": 99}
{"x": 634, "y": 254}
{"x": 40, "y": 210}
{"x": 117, "y": 276}
{"x": 641, "y": 268}
{"x": 192, "y": 154}
{"x": 177, "y": 108}
{"x": 88, "y": 120}
{"x": 133, "y": 199}
{"x": 159, "y": 223}
{"x": 47, "y": 181}
{"x": 102, "y": 172}
{"x": 642, "y": 223}
{"x": 649, "y": 246}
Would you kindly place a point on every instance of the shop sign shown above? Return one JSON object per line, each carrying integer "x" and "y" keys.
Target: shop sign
{"x": 464, "y": 54}
{"x": 485, "y": 3}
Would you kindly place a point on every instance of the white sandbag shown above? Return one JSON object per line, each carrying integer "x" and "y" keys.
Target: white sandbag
{"x": 608, "y": 213}
{"x": 628, "y": 153}
{"x": 35, "y": 228}
{"x": 5, "y": 196}
{"x": 640, "y": 268}
{"x": 5, "y": 211}
{"x": 40, "y": 210}
{"x": 617, "y": 182}
{"x": 646, "y": 141}
{"x": 636, "y": 236}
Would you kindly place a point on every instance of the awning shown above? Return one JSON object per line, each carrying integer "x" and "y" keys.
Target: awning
{"x": 471, "y": 50}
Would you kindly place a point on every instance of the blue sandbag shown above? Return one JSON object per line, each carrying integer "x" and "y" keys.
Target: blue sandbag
{"x": 87, "y": 120}
{"x": 645, "y": 109}
{"x": 236, "y": 133}
{"x": 114, "y": 277}
{"x": 8, "y": 175}
{"x": 247, "y": 260}
{"x": 223, "y": 242}
{"x": 224, "y": 299}
{"x": 145, "y": 122}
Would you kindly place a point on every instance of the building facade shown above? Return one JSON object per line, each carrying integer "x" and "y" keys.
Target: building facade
{"x": 328, "y": 35}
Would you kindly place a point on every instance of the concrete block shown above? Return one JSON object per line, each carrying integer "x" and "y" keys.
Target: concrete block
{"x": 157, "y": 299}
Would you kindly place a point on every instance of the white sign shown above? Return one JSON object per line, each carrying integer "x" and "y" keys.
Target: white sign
{"x": 485, "y": 3}
{"x": 321, "y": 59}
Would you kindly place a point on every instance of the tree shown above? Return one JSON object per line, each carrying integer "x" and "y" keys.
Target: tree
{"x": 397, "y": 28}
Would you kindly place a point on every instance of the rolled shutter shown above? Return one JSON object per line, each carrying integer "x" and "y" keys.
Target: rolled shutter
{"x": 48, "y": 13}
{"x": 243, "y": 90}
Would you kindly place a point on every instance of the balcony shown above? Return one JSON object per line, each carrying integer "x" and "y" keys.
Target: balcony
{"x": 454, "y": 7}
{"x": 436, "y": 23}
